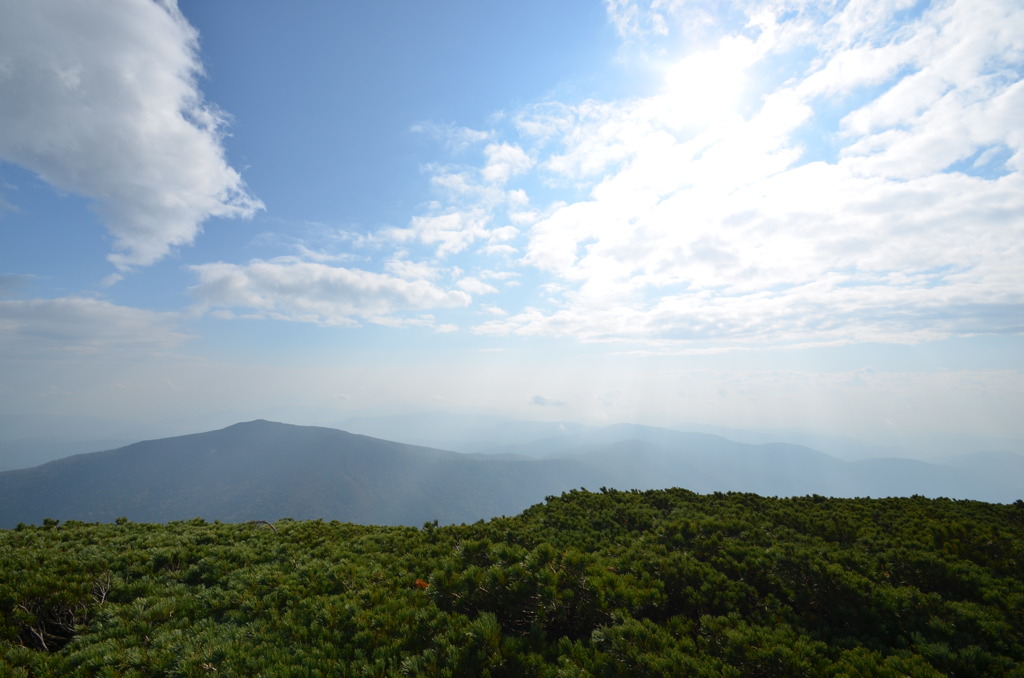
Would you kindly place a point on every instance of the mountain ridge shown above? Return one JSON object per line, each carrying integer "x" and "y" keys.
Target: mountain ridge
{"x": 269, "y": 470}
{"x": 263, "y": 470}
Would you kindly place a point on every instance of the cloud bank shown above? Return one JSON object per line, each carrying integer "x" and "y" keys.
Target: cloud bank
{"x": 101, "y": 99}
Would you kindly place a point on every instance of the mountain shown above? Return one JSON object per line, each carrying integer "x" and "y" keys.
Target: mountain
{"x": 262, "y": 470}
{"x": 995, "y": 466}
{"x": 493, "y": 434}
{"x": 645, "y": 457}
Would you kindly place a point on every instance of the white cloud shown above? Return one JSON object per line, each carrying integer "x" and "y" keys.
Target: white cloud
{"x": 506, "y": 250}
{"x": 504, "y": 161}
{"x": 859, "y": 19}
{"x": 101, "y": 100}
{"x": 596, "y": 136}
{"x": 498, "y": 275}
{"x": 493, "y": 310}
{"x": 475, "y": 286}
{"x": 451, "y": 232}
{"x": 828, "y": 213}
{"x": 453, "y": 137}
{"x": 77, "y": 326}
{"x": 411, "y": 270}
{"x": 503, "y": 234}
{"x": 644, "y": 18}
{"x": 472, "y": 199}
{"x": 311, "y": 292}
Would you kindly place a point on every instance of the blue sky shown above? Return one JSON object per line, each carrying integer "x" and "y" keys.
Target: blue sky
{"x": 768, "y": 213}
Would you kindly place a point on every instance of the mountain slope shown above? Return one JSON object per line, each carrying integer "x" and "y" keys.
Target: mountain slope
{"x": 264, "y": 470}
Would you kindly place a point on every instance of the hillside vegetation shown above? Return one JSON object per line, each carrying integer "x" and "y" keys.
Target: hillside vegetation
{"x": 609, "y": 583}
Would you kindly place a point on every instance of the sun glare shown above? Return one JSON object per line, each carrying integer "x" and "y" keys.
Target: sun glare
{"x": 706, "y": 86}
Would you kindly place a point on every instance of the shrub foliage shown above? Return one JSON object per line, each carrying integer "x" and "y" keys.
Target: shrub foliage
{"x": 601, "y": 583}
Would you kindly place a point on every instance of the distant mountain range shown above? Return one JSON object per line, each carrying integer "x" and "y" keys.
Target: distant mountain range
{"x": 262, "y": 470}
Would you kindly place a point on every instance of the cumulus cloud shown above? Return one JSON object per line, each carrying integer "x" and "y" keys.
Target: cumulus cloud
{"x": 473, "y": 197}
{"x": 102, "y": 100}
{"x": 297, "y": 290}
{"x": 476, "y": 286}
{"x": 75, "y": 326}
{"x": 451, "y": 232}
{"x": 503, "y": 161}
{"x": 541, "y": 401}
{"x": 411, "y": 270}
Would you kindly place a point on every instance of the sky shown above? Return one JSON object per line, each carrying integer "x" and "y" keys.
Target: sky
{"x": 765, "y": 213}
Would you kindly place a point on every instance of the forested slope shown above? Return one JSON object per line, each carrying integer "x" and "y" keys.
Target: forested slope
{"x": 589, "y": 584}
